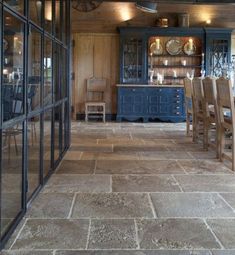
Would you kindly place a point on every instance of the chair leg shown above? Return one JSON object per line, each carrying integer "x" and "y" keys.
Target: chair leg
{"x": 222, "y": 143}
{"x": 86, "y": 113}
{"x": 187, "y": 124}
{"x": 233, "y": 151}
{"x": 217, "y": 141}
{"x": 205, "y": 135}
{"x": 103, "y": 114}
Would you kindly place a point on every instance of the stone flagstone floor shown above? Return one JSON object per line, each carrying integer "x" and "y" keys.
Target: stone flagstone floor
{"x": 132, "y": 189}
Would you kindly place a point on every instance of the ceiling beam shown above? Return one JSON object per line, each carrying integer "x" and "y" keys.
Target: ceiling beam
{"x": 180, "y": 1}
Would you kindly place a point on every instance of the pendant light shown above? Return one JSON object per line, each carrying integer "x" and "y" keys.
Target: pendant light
{"x": 147, "y": 6}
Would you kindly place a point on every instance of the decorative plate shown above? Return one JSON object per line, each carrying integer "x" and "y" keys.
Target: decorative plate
{"x": 154, "y": 50}
{"x": 5, "y": 44}
{"x": 174, "y": 47}
{"x": 189, "y": 51}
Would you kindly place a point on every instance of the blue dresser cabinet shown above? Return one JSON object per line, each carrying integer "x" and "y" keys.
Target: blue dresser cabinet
{"x": 150, "y": 102}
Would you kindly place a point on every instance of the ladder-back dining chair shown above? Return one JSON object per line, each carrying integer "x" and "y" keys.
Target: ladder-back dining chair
{"x": 198, "y": 106}
{"x": 188, "y": 96}
{"x": 211, "y": 112}
{"x": 226, "y": 111}
{"x": 95, "y": 98}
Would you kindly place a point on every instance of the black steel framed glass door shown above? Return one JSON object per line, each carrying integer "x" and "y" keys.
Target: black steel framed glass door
{"x": 34, "y": 109}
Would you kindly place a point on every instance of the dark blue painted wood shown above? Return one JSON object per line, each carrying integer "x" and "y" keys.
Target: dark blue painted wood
{"x": 166, "y": 104}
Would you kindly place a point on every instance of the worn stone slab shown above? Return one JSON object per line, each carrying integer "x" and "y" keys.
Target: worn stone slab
{"x": 207, "y": 183}
{"x": 193, "y": 205}
{"x": 78, "y": 183}
{"x": 112, "y": 234}
{"x": 112, "y": 205}
{"x": 93, "y": 147}
{"x": 139, "y": 148}
{"x": 137, "y": 252}
{"x": 76, "y": 167}
{"x": 73, "y": 155}
{"x": 204, "y": 167}
{"x": 30, "y": 252}
{"x": 165, "y": 155}
{"x": 223, "y": 252}
{"x": 224, "y": 230}
{"x": 51, "y": 205}
{"x": 175, "y": 234}
{"x": 138, "y": 167}
{"x": 204, "y": 155}
{"x": 146, "y": 183}
{"x": 110, "y": 156}
{"x": 230, "y": 198}
{"x": 53, "y": 234}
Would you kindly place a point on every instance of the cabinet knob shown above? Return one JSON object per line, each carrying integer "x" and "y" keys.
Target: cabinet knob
{"x": 133, "y": 90}
{"x": 177, "y": 96}
{"x": 177, "y": 107}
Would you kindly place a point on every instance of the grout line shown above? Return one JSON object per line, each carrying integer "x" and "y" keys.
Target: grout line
{"x": 97, "y": 141}
{"x": 131, "y": 136}
{"x": 216, "y": 238}
{"x": 81, "y": 155}
{"x": 179, "y": 164}
{"x": 72, "y": 205}
{"x": 17, "y": 236}
{"x": 152, "y": 206}
{"x": 112, "y": 147}
{"x": 137, "y": 236}
{"x": 88, "y": 234}
{"x": 181, "y": 189}
{"x": 54, "y": 252}
{"x": 227, "y": 203}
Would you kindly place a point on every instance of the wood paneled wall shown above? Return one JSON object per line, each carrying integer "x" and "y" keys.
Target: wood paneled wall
{"x": 95, "y": 55}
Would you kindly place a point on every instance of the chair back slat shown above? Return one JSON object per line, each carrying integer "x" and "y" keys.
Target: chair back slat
{"x": 188, "y": 88}
{"x": 225, "y": 98}
{"x": 198, "y": 96}
{"x": 96, "y": 85}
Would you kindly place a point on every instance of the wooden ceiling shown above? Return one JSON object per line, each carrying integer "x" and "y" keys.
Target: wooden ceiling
{"x": 110, "y": 15}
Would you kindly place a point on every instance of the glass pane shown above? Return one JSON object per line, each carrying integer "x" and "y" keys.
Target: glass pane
{"x": 12, "y": 89}
{"x": 57, "y": 19}
{"x": 11, "y": 175}
{"x": 64, "y": 73}
{"x": 47, "y": 99}
{"x": 64, "y": 23}
{"x": 48, "y": 15}
{"x": 34, "y": 70}
{"x": 35, "y": 11}
{"x": 57, "y": 129}
{"x": 33, "y": 154}
{"x": 57, "y": 74}
{"x": 47, "y": 143}
{"x": 17, "y": 5}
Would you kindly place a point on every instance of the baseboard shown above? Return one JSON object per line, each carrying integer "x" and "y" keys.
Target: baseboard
{"x": 108, "y": 117}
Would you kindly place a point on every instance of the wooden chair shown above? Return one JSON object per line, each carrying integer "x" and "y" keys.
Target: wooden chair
{"x": 198, "y": 106}
{"x": 211, "y": 112}
{"x": 225, "y": 101}
{"x": 95, "y": 105}
{"x": 188, "y": 96}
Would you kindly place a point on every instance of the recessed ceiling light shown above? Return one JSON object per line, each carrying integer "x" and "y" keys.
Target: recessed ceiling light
{"x": 208, "y": 21}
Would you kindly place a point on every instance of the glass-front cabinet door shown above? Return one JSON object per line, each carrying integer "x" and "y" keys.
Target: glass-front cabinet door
{"x": 132, "y": 64}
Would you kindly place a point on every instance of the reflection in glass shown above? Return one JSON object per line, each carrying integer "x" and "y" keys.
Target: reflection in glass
{"x": 48, "y": 16}
{"x": 33, "y": 154}
{"x": 17, "y": 5}
{"x": 64, "y": 23}
{"x": 11, "y": 190}
{"x": 47, "y": 143}
{"x": 12, "y": 88}
{"x": 35, "y": 11}
{"x": 57, "y": 130}
{"x": 47, "y": 64}
{"x": 57, "y": 73}
{"x": 34, "y": 70}
{"x": 57, "y": 19}
{"x": 63, "y": 73}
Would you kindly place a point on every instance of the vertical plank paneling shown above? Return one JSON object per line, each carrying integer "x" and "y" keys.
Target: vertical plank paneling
{"x": 95, "y": 55}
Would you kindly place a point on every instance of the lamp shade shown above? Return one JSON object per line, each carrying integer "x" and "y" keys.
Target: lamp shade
{"x": 147, "y": 6}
